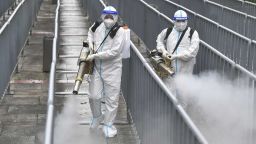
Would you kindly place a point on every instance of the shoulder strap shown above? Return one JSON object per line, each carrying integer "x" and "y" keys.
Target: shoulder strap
{"x": 191, "y": 33}
{"x": 111, "y": 30}
{"x": 169, "y": 30}
{"x": 114, "y": 30}
{"x": 178, "y": 43}
{"x": 96, "y": 25}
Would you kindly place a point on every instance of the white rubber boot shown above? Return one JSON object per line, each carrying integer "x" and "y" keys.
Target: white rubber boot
{"x": 109, "y": 130}
{"x": 96, "y": 122}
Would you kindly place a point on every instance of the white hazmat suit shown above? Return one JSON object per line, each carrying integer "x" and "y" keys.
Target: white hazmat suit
{"x": 106, "y": 78}
{"x": 183, "y": 59}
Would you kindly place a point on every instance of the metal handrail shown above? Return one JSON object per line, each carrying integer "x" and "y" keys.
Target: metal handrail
{"x": 251, "y": 3}
{"x": 231, "y": 9}
{"x": 225, "y": 7}
{"x": 50, "y": 111}
{"x": 104, "y": 5}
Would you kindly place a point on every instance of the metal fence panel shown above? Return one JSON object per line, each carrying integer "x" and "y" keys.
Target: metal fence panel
{"x": 95, "y": 10}
{"x": 135, "y": 23}
{"x": 235, "y": 4}
{"x": 195, "y": 5}
{"x": 207, "y": 60}
{"x": 251, "y": 28}
{"x": 167, "y": 8}
{"x": 208, "y": 31}
{"x": 234, "y": 20}
{"x": 241, "y": 5}
{"x": 125, "y": 78}
{"x": 152, "y": 28}
{"x": 249, "y": 8}
{"x": 5, "y": 5}
{"x": 214, "y": 12}
{"x": 4, "y": 61}
{"x": 252, "y": 57}
{"x": 12, "y": 39}
{"x": 233, "y": 46}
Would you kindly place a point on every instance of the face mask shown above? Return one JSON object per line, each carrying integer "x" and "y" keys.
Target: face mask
{"x": 180, "y": 26}
{"x": 109, "y": 23}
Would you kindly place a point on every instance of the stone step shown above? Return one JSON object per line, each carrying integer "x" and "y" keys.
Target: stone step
{"x": 70, "y": 8}
{"x": 72, "y": 13}
{"x": 73, "y": 40}
{"x": 30, "y": 76}
{"x": 72, "y": 31}
{"x": 45, "y": 18}
{"x": 43, "y": 87}
{"x": 43, "y": 29}
{"x": 34, "y": 92}
{"x": 27, "y": 109}
{"x": 10, "y": 100}
{"x": 70, "y": 50}
{"x": 32, "y": 63}
{"x": 46, "y": 12}
{"x": 36, "y": 39}
{"x": 3, "y": 110}
{"x": 66, "y": 76}
{"x": 17, "y": 139}
{"x": 32, "y": 49}
{"x": 20, "y": 129}
{"x": 19, "y": 118}
{"x": 74, "y": 18}
{"x": 47, "y": 7}
{"x": 74, "y": 24}
{"x": 67, "y": 64}
{"x": 28, "y": 87}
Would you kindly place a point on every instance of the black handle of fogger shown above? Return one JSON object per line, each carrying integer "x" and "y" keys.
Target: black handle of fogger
{"x": 85, "y": 44}
{"x": 154, "y": 52}
{"x": 75, "y": 92}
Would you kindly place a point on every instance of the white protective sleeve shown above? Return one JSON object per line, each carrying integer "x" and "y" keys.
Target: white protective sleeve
{"x": 191, "y": 52}
{"x": 160, "y": 42}
{"x": 90, "y": 38}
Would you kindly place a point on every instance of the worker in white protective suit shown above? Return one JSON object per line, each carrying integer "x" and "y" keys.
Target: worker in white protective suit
{"x": 182, "y": 54}
{"x": 105, "y": 42}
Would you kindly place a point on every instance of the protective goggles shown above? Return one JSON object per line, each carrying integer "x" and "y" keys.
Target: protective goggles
{"x": 109, "y": 12}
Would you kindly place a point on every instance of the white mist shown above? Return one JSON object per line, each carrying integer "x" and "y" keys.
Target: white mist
{"x": 222, "y": 109}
